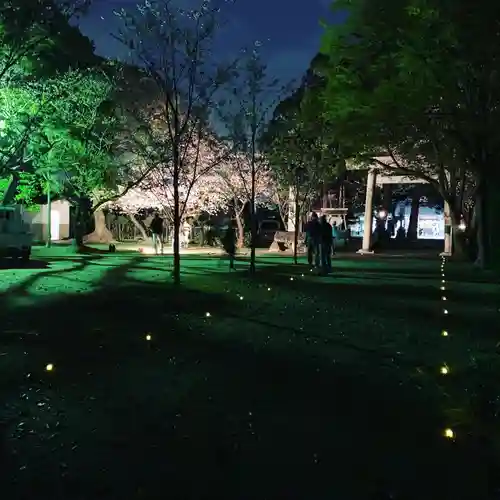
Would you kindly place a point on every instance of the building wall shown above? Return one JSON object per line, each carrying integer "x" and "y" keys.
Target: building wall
{"x": 38, "y": 221}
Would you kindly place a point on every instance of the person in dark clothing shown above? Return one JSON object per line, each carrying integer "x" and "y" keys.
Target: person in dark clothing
{"x": 156, "y": 227}
{"x": 335, "y": 235}
{"x": 326, "y": 244}
{"x": 229, "y": 244}
{"x": 313, "y": 240}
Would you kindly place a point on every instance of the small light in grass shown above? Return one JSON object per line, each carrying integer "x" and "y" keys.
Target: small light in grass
{"x": 148, "y": 337}
{"x": 444, "y": 333}
{"x": 268, "y": 289}
{"x": 444, "y": 298}
{"x": 445, "y": 311}
{"x": 444, "y": 370}
{"x": 207, "y": 315}
{"x": 291, "y": 279}
{"x": 241, "y": 297}
{"x": 302, "y": 275}
{"x": 448, "y": 433}
{"x": 49, "y": 367}
{"x": 443, "y": 281}
{"x": 443, "y": 288}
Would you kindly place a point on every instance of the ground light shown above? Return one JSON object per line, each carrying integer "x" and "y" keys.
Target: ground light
{"x": 148, "y": 337}
{"x": 448, "y": 433}
{"x": 444, "y": 369}
{"x": 207, "y": 315}
{"x": 49, "y": 367}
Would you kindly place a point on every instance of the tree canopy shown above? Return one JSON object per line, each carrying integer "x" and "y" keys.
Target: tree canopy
{"x": 417, "y": 82}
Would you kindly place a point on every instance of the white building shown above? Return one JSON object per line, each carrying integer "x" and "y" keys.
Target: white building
{"x": 60, "y": 221}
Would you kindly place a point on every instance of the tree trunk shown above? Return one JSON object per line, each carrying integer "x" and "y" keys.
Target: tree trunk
{"x": 176, "y": 272}
{"x": 459, "y": 244}
{"x": 488, "y": 208}
{"x": 297, "y": 226}
{"x": 48, "y": 243}
{"x": 480, "y": 255}
{"x": 239, "y": 225}
{"x": 138, "y": 226}
{"x": 78, "y": 227}
{"x": 253, "y": 221}
{"x": 412, "y": 233}
{"x": 101, "y": 233}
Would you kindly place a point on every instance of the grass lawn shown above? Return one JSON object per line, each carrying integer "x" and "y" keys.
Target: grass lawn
{"x": 287, "y": 386}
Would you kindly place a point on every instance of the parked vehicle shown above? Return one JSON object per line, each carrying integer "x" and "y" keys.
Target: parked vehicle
{"x": 267, "y": 230}
{"x": 16, "y": 239}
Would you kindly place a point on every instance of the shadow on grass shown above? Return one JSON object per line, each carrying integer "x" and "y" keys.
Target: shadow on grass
{"x": 187, "y": 415}
{"x": 19, "y": 264}
{"x": 22, "y": 287}
{"x": 389, "y": 298}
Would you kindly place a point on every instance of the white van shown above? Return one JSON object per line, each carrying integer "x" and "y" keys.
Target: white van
{"x": 16, "y": 239}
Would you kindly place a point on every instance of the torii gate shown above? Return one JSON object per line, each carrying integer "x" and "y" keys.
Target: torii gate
{"x": 374, "y": 179}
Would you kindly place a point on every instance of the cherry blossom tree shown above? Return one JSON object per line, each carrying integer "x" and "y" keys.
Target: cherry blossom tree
{"x": 174, "y": 47}
{"x": 246, "y": 121}
{"x": 232, "y": 184}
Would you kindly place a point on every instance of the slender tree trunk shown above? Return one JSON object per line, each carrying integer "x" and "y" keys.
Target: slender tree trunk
{"x": 48, "y": 243}
{"x": 78, "y": 226}
{"x": 297, "y": 226}
{"x": 138, "y": 226}
{"x": 488, "y": 209}
{"x": 480, "y": 237}
{"x": 459, "y": 244}
{"x": 253, "y": 220}
{"x": 239, "y": 225}
{"x": 101, "y": 233}
{"x": 176, "y": 273}
{"x": 412, "y": 233}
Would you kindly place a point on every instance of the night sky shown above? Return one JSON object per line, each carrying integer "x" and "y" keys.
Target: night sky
{"x": 289, "y": 29}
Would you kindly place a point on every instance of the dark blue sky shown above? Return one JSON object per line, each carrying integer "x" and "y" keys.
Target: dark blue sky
{"x": 289, "y": 29}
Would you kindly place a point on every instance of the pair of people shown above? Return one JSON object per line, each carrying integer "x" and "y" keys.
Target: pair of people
{"x": 319, "y": 242}
{"x": 157, "y": 231}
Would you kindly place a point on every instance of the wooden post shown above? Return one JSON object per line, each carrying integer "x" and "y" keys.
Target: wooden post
{"x": 368, "y": 226}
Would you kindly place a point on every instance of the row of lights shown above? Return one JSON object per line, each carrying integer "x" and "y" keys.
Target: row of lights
{"x": 445, "y": 370}
{"x": 50, "y": 366}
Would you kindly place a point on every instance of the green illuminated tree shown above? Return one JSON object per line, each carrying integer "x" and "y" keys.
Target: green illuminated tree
{"x": 418, "y": 83}
{"x": 302, "y": 153}
{"x": 37, "y": 39}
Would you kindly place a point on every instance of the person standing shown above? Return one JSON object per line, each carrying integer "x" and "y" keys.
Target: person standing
{"x": 157, "y": 232}
{"x": 326, "y": 245}
{"x": 186, "y": 233}
{"x": 335, "y": 235}
{"x": 313, "y": 240}
{"x": 229, "y": 244}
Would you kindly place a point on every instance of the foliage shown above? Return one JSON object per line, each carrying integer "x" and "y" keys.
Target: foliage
{"x": 38, "y": 45}
{"x": 246, "y": 120}
{"x": 413, "y": 87}
{"x": 36, "y": 38}
{"x": 174, "y": 47}
{"x": 302, "y": 153}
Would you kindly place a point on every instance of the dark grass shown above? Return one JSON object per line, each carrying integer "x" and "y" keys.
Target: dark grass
{"x": 319, "y": 388}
